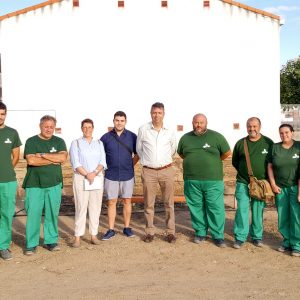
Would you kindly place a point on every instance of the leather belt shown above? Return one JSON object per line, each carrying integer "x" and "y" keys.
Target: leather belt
{"x": 158, "y": 169}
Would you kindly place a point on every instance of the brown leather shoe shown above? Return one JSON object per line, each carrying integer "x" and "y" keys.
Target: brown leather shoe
{"x": 148, "y": 238}
{"x": 171, "y": 238}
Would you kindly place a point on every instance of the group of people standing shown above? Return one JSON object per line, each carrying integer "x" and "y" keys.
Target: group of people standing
{"x": 106, "y": 165}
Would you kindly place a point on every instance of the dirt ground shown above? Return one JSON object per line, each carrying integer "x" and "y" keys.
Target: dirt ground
{"x": 124, "y": 268}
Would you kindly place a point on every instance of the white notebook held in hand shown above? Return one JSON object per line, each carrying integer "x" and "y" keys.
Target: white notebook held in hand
{"x": 96, "y": 185}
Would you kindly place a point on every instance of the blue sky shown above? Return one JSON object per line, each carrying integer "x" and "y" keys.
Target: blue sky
{"x": 289, "y": 10}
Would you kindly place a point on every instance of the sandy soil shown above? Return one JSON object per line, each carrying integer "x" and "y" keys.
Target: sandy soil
{"x": 126, "y": 268}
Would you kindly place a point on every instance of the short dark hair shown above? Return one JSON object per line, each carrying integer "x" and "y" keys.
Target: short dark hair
{"x": 288, "y": 126}
{"x": 158, "y": 105}
{"x": 252, "y": 119}
{"x": 47, "y": 118}
{"x": 120, "y": 114}
{"x": 87, "y": 121}
{"x": 3, "y": 106}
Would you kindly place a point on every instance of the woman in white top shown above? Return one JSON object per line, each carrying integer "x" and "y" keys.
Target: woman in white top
{"x": 88, "y": 162}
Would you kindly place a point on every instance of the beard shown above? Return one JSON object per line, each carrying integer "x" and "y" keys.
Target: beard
{"x": 199, "y": 131}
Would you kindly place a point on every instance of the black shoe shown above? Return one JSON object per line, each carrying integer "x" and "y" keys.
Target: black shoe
{"x": 30, "y": 251}
{"x": 284, "y": 249}
{"x": 5, "y": 254}
{"x": 220, "y": 243}
{"x": 257, "y": 243}
{"x": 238, "y": 244}
{"x": 52, "y": 247}
{"x": 199, "y": 239}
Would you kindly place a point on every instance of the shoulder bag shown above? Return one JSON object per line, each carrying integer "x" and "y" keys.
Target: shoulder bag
{"x": 258, "y": 189}
{"x": 123, "y": 144}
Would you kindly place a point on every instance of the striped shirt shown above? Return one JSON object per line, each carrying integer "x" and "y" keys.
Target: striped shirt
{"x": 87, "y": 155}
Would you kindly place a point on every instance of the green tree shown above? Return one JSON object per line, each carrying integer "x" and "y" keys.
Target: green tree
{"x": 290, "y": 82}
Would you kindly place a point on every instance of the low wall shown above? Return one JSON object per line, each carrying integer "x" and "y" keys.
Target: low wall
{"x": 229, "y": 178}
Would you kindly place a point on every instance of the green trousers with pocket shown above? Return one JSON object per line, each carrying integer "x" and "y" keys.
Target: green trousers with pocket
{"x": 241, "y": 222}
{"x": 288, "y": 209}
{"x": 7, "y": 210}
{"x": 205, "y": 200}
{"x": 38, "y": 200}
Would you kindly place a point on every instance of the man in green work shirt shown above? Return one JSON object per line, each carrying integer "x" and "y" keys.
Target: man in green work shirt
{"x": 43, "y": 183}
{"x": 202, "y": 151}
{"x": 258, "y": 146}
{"x": 9, "y": 156}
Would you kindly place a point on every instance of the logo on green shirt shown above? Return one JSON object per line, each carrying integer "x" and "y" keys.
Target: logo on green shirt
{"x": 295, "y": 155}
{"x": 8, "y": 141}
{"x": 264, "y": 151}
{"x": 206, "y": 146}
{"x": 53, "y": 150}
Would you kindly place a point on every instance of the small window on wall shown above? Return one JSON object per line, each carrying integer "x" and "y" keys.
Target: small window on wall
{"x": 75, "y": 3}
{"x": 236, "y": 126}
{"x": 121, "y": 4}
{"x": 58, "y": 130}
{"x": 179, "y": 127}
{"x": 164, "y": 4}
{"x": 206, "y": 3}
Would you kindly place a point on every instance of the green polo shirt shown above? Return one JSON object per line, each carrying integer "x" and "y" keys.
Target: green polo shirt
{"x": 202, "y": 155}
{"x": 43, "y": 176}
{"x": 9, "y": 139}
{"x": 285, "y": 164}
{"x": 258, "y": 152}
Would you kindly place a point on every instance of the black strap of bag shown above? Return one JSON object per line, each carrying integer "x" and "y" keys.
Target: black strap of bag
{"x": 123, "y": 144}
{"x": 250, "y": 172}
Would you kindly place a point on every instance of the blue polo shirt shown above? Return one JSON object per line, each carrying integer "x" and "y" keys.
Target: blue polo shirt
{"x": 119, "y": 160}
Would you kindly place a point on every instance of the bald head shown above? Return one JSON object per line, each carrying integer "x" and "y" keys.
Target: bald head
{"x": 199, "y": 124}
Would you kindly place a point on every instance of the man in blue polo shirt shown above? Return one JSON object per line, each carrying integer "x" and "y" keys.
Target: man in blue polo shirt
{"x": 120, "y": 149}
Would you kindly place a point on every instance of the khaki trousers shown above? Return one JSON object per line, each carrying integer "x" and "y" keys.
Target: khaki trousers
{"x": 91, "y": 200}
{"x": 165, "y": 179}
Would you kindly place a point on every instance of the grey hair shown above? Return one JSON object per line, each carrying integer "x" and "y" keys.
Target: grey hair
{"x": 47, "y": 118}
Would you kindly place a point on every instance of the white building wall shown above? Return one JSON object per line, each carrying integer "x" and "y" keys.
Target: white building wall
{"x": 96, "y": 59}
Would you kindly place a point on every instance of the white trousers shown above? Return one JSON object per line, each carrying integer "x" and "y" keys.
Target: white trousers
{"x": 84, "y": 200}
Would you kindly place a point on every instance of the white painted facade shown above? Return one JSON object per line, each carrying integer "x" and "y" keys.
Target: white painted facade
{"x": 95, "y": 59}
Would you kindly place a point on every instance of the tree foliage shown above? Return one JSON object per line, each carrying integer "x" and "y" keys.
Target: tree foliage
{"x": 290, "y": 82}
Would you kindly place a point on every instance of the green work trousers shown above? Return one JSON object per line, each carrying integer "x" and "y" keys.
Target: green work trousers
{"x": 7, "y": 209}
{"x": 205, "y": 200}
{"x": 37, "y": 200}
{"x": 288, "y": 209}
{"x": 241, "y": 221}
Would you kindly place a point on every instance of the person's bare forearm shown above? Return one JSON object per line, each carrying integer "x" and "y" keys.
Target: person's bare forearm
{"x": 56, "y": 157}
{"x": 37, "y": 161}
{"x": 15, "y": 156}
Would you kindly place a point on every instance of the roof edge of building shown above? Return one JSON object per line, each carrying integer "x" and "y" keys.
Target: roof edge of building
{"x": 28, "y": 9}
{"x": 49, "y": 2}
{"x": 252, "y": 9}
